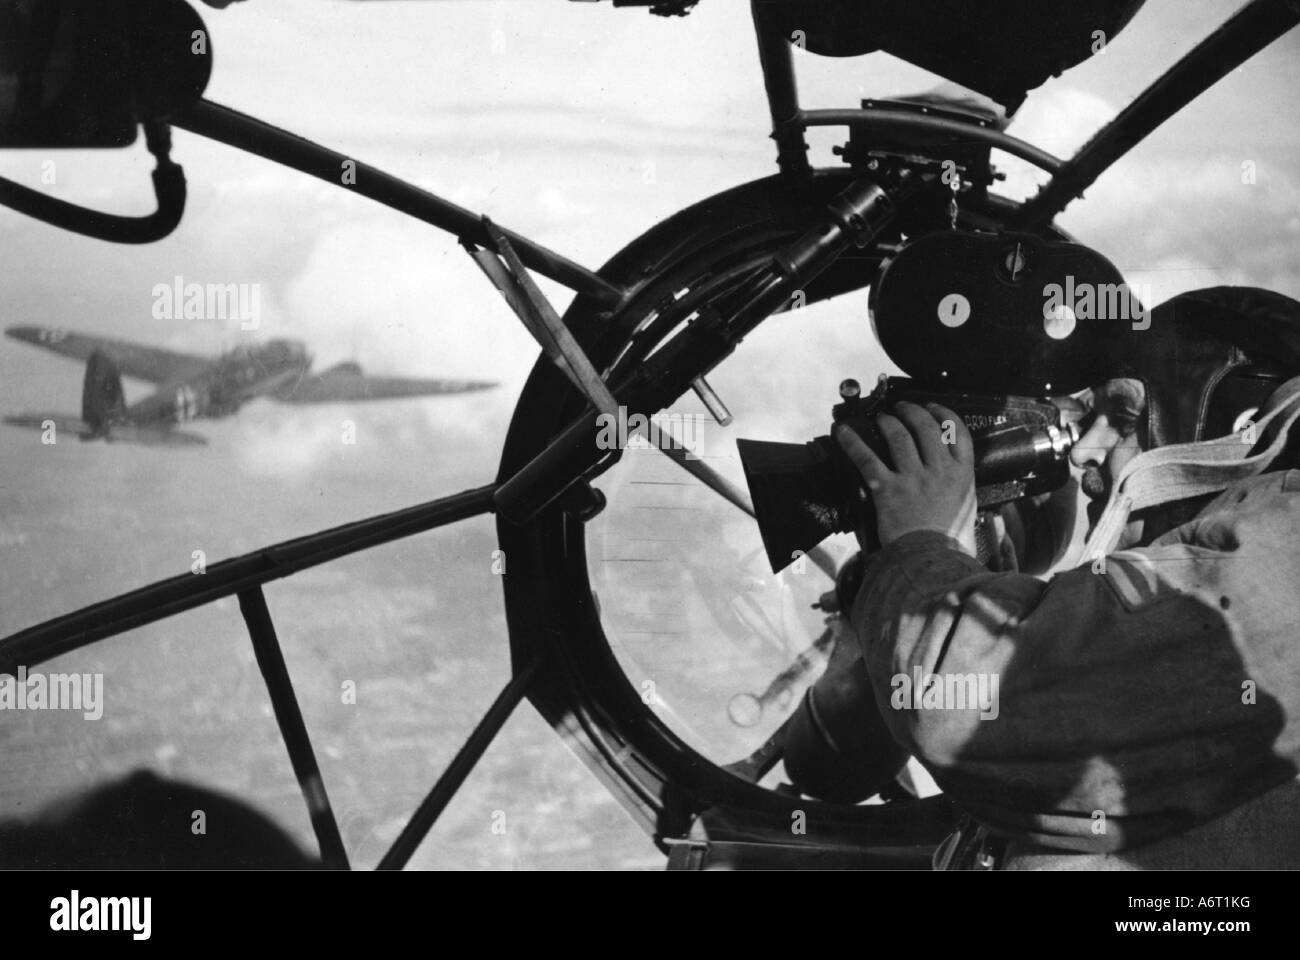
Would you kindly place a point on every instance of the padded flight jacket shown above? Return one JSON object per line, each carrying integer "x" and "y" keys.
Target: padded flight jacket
{"x": 1121, "y": 703}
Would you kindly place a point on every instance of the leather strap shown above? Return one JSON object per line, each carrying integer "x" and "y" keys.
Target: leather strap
{"x": 1185, "y": 470}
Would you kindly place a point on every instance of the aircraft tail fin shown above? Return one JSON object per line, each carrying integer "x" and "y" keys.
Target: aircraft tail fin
{"x": 102, "y": 398}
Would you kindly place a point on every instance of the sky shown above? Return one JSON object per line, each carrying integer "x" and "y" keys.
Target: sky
{"x": 581, "y": 126}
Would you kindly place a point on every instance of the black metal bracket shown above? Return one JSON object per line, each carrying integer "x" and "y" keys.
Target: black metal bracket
{"x": 504, "y": 267}
{"x": 169, "y": 189}
{"x": 270, "y": 660}
{"x": 427, "y": 813}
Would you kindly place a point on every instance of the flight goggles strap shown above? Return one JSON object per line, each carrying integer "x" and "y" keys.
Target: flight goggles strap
{"x": 1184, "y": 470}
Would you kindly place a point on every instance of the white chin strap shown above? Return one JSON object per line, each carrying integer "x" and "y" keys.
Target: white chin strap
{"x": 1184, "y": 470}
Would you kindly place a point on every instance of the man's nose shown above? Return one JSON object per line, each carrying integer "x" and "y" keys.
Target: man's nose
{"x": 1095, "y": 445}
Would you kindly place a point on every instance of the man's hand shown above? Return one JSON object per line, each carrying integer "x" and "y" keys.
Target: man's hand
{"x": 932, "y": 485}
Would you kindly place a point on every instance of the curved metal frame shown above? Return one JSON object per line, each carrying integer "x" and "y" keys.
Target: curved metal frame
{"x": 169, "y": 192}
{"x": 586, "y": 696}
{"x": 1248, "y": 31}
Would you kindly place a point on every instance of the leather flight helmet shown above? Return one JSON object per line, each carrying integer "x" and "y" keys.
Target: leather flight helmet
{"x": 1209, "y": 358}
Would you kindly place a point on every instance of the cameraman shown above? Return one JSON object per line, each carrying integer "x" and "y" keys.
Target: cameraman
{"x": 1149, "y": 710}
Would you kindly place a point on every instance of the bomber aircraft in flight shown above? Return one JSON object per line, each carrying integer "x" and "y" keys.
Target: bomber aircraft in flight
{"x": 192, "y": 387}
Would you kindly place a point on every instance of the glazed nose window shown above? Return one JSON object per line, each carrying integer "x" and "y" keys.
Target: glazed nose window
{"x": 718, "y": 646}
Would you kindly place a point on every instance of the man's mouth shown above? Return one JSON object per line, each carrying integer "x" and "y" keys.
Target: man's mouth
{"x": 1094, "y": 485}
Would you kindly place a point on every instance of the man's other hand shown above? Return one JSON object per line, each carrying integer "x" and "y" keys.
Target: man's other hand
{"x": 932, "y": 483}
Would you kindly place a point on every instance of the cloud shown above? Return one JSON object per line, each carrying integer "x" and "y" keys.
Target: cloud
{"x": 1172, "y": 220}
{"x": 1058, "y": 119}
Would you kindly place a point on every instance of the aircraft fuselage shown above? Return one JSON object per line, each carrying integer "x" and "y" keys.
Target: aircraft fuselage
{"x": 232, "y": 380}
{"x": 192, "y": 387}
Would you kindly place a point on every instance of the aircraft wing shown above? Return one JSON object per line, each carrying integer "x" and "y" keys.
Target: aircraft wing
{"x": 346, "y": 382}
{"x": 132, "y": 359}
{"x": 119, "y": 432}
{"x": 62, "y": 423}
{"x": 153, "y": 436}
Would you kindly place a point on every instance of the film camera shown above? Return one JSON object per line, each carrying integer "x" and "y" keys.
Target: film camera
{"x": 969, "y": 318}
{"x": 805, "y": 492}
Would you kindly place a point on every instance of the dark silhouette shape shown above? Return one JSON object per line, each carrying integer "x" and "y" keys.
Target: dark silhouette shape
{"x": 143, "y": 821}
